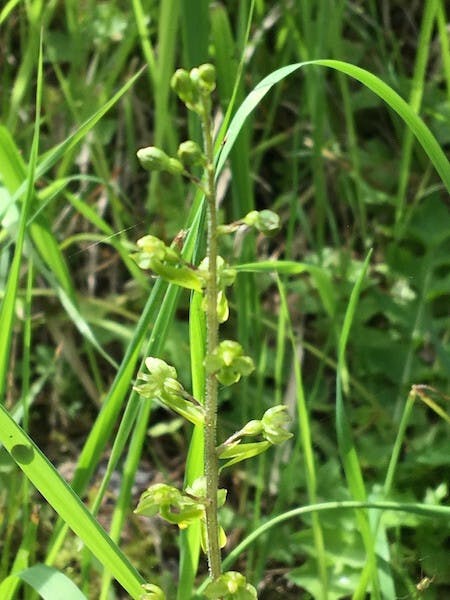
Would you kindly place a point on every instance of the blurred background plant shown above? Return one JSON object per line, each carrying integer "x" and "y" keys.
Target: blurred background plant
{"x": 344, "y": 174}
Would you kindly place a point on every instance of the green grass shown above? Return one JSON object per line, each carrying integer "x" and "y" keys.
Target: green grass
{"x": 322, "y": 109}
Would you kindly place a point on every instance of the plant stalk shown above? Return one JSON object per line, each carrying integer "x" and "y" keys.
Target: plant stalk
{"x": 212, "y": 327}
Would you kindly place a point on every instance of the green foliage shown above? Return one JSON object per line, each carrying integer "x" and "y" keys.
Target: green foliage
{"x": 310, "y": 155}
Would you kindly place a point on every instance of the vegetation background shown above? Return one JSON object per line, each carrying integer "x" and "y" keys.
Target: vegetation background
{"x": 344, "y": 174}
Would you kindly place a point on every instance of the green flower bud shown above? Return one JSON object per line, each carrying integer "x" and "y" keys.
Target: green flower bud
{"x": 207, "y": 78}
{"x": 183, "y": 86}
{"x": 174, "y": 167}
{"x": 268, "y": 222}
{"x": 194, "y": 75}
{"x": 187, "y": 90}
{"x": 252, "y": 428}
{"x": 153, "y": 159}
{"x": 190, "y": 154}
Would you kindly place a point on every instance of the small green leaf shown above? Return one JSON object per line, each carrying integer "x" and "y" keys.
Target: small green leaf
{"x": 238, "y": 452}
{"x": 184, "y": 276}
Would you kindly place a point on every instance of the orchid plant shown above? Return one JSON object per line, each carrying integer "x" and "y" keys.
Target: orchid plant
{"x": 225, "y": 361}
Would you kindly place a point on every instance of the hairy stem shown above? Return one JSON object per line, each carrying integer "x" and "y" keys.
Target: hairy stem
{"x": 212, "y": 326}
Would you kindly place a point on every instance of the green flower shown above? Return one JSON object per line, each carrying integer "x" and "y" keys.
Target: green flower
{"x": 171, "y": 504}
{"x": 166, "y": 262}
{"x": 274, "y": 423}
{"x": 155, "y": 497}
{"x": 228, "y": 362}
{"x": 230, "y": 586}
{"x": 265, "y": 221}
{"x": 155, "y": 248}
{"x": 162, "y": 384}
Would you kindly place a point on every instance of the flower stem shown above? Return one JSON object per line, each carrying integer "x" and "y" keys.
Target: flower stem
{"x": 212, "y": 327}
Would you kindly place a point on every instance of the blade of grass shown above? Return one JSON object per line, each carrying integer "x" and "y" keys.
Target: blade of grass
{"x": 7, "y": 9}
{"x": 7, "y": 309}
{"x": 103, "y": 426}
{"x": 347, "y": 449}
{"x": 374, "y": 83}
{"x": 49, "y": 583}
{"x": 66, "y": 503}
{"x": 415, "y": 101}
{"x": 139, "y": 432}
{"x": 425, "y": 510}
{"x": 25, "y": 556}
{"x": 320, "y": 276}
{"x": 164, "y": 131}
{"x": 443, "y": 40}
{"x": 190, "y": 538}
{"x": 304, "y": 432}
{"x": 195, "y": 31}
{"x": 52, "y": 156}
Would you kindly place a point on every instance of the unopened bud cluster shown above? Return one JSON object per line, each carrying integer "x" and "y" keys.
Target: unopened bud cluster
{"x": 195, "y": 87}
